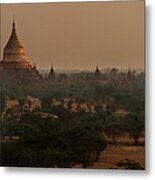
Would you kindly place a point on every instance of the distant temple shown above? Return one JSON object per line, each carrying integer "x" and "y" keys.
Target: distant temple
{"x": 129, "y": 72}
{"x": 14, "y": 58}
{"x": 97, "y": 72}
{"x": 51, "y": 74}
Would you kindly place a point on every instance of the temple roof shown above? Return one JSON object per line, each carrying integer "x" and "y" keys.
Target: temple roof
{"x": 15, "y": 61}
{"x": 97, "y": 71}
{"x": 52, "y": 69}
{"x": 13, "y": 50}
{"x": 52, "y": 72}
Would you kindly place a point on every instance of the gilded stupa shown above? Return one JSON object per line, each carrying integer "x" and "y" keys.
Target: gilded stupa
{"x": 14, "y": 56}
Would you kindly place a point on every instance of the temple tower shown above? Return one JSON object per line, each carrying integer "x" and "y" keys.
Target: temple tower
{"x": 97, "y": 72}
{"x": 51, "y": 74}
{"x": 14, "y": 56}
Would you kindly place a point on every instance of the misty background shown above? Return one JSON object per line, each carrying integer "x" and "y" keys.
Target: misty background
{"x": 78, "y": 36}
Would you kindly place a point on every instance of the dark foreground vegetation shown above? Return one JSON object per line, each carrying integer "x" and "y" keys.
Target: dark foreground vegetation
{"x": 77, "y": 118}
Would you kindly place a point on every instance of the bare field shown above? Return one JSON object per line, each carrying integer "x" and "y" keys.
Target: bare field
{"x": 115, "y": 153}
{"x": 112, "y": 155}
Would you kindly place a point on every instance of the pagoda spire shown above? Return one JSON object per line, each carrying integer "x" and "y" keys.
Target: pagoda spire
{"x": 52, "y": 72}
{"x": 129, "y": 72}
{"x": 13, "y": 26}
{"x": 13, "y": 51}
{"x": 97, "y": 72}
{"x": 52, "y": 69}
{"x": 14, "y": 57}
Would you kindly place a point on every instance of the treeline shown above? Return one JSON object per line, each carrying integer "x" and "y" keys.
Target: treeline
{"x": 36, "y": 141}
{"x": 118, "y": 90}
{"x": 40, "y": 140}
{"x": 57, "y": 136}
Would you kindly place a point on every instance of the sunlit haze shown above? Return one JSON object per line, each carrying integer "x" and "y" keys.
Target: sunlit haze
{"x": 78, "y": 36}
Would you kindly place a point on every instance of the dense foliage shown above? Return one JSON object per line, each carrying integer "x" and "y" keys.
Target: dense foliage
{"x": 77, "y": 118}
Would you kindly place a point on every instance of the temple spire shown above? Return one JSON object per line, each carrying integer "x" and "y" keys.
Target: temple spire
{"x": 13, "y": 51}
{"x": 52, "y": 72}
{"x": 52, "y": 69}
{"x": 14, "y": 58}
{"x": 13, "y": 24}
{"x": 129, "y": 72}
{"x": 97, "y": 72}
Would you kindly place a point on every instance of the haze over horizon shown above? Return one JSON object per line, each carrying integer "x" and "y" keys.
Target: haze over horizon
{"x": 78, "y": 36}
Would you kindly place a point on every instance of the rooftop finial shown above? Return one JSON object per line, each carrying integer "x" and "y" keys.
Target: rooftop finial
{"x": 13, "y": 22}
{"x": 129, "y": 71}
{"x": 52, "y": 69}
{"x": 97, "y": 72}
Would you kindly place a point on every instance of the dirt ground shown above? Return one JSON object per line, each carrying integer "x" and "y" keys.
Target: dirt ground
{"x": 115, "y": 153}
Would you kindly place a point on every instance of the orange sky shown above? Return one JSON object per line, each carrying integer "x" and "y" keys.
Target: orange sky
{"x": 78, "y": 35}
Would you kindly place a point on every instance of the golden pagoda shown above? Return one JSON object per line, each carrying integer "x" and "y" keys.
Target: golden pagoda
{"x": 14, "y": 56}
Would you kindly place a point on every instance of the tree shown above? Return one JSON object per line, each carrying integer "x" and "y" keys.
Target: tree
{"x": 129, "y": 164}
{"x": 101, "y": 144}
{"x": 40, "y": 143}
{"x": 46, "y": 102}
{"x": 114, "y": 128}
{"x": 9, "y": 128}
{"x": 85, "y": 145}
{"x": 22, "y": 102}
{"x": 135, "y": 125}
{"x": 2, "y": 101}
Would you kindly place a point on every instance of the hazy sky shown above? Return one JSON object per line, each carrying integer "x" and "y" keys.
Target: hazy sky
{"x": 78, "y": 35}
